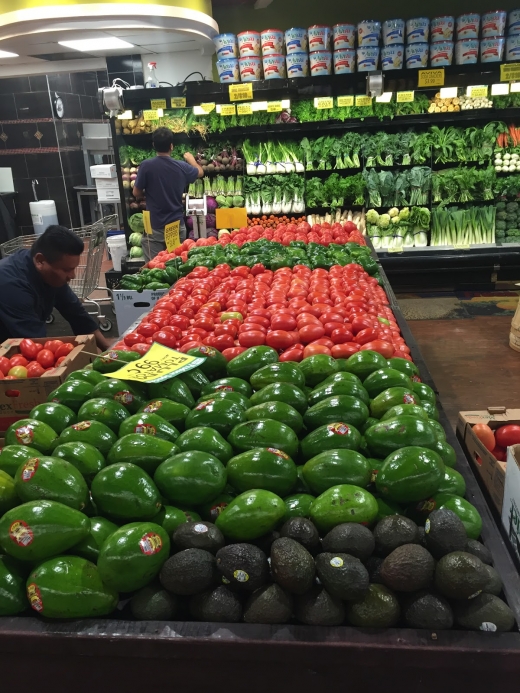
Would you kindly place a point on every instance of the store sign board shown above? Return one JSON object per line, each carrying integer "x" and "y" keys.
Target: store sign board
{"x": 241, "y": 92}
{"x": 157, "y": 103}
{"x": 324, "y": 102}
{"x": 431, "y": 78}
{"x": 510, "y": 72}
{"x": 405, "y": 96}
{"x": 363, "y": 100}
{"x": 228, "y": 110}
{"x": 245, "y": 109}
{"x": 178, "y": 102}
{"x": 274, "y": 107}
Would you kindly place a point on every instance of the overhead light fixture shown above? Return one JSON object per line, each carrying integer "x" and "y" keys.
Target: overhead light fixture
{"x": 7, "y": 54}
{"x": 385, "y": 97}
{"x": 448, "y": 92}
{"x": 500, "y": 89}
{"x": 262, "y": 4}
{"x": 90, "y": 45}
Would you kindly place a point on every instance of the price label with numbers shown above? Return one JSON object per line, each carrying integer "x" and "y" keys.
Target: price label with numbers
{"x": 345, "y": 101}
{"x": 150, "y": 115}
{"x": 431, "y": 78}
{"x": 363, "y": 100}
{"x": 245, "y": 109}
{"x": 160, "y": 363}
{"x": 395, "y": 249}
{"x": 405, "y": 96}
{"x": 241, "y": 92}
{"x": 178, "y": 102}
{"x": 462, "y": 246}
{"x": 274, "y": 107}
{"x": 510, "y": 72}
{"x": 207, "y": 107}
{"x": 172, "y": 235}
{"x": 158, "y": 103}
{"x": 228, "y": 110}
{"x": 324, "y": 102}
{"x": 478, "y": 92}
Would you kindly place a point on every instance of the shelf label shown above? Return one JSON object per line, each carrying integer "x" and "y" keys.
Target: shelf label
{"x": 150, "y": 115}
{"x": 158, "y": 103}
{"x": 395, "y": 249}
{"x": 510, "y": 72}
{"x": 363, "y": 100}
{"x": 207, "y": 107}
{"x": 172, "y": 236}
{"x": 344, "y": 101}
{"x": 178, "y": 102}
{"x": 160, "y": 363}
{"x": 462, "y": 246}
{"x": 431, "y": 78}
{"x": 478, "y": 92}
{"x": 245, "y": 109}
{"x": 241, "y": 92}
{"x": 324, "y": 102}
{"x": 405, "y": 96}
{"x": 274, "y": 107}
{"x": 228, "y": 109}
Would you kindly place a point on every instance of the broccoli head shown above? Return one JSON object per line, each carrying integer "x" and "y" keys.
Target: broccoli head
{"x": 511, "y": 217}
{"x": 500, "y": 225}
{"x": 500, "y": 206}
{"x": 502, "y": 216}
{"x": 512, "y": 207}
{"x": 510, "y": 225}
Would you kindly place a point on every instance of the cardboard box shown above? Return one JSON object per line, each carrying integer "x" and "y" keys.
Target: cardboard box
{"x": 491, "y": 471}
{"x": 107, "y": 184}
{"x": 110, "y": 195}
{"x": 131, "y": 305}
{"x": 103, "y": 171}
{"x": 511, "y": 506}
{"x": 18, "y": 397}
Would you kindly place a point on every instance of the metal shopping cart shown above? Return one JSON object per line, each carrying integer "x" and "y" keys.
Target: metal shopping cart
{"x": 88, "y": 270}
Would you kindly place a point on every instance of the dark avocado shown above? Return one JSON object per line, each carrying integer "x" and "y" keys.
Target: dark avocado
{"x": 219, "y": 605}
{"x": 494, "y": 583}
{"x": 351, "y": 538}
{"x": 485, "y": 612}
{"x": 343, "y": 576}
{"x": 244, "y": 565}
{"x": 444, "y": 533}
{"x": 408, "y": 568}
{"x": 292, "y": 565}
{"x": 303, "y": 531}
{"x": 268, "y": 604}
{"x": 198, "y": 535}
{"x": 319, "y": 608}
{"x": 153, "y": 603}
{"x": 479, "y": 550}
{"x": 393, "y": 531}
{"x": 189, "y": 572}
{"x": 426, "y": 610}
{"x": 379, "y": 609}
{"x": 460, "y": 575}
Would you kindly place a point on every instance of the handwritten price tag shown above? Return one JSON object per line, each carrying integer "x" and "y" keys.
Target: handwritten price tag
{"x": 207, "y": 107}
{"x": 363, "y": 100}
{"x": 431, "y": 78}
{"x": 159, "y": 364}
{"x": 510, "y": 72}
{"x": 395, "y": 249}
{"x": 241, "y": 92}
{"x": 405, "y": 96}
{"x": 462, "y": 246}
{"x": 274, "y": 107}
{"x": 172, "y": 235}
{"x": 345, "y": 101}
{"x": 324, "y": 102}
{"x": 178, "y": 102}
{"x": 228, "y": 110}
{"x": 158, "y": 103}
{"x": 478, "y": 92}
{"x": 150, "y": 115}
{"x": 244, "y": 109}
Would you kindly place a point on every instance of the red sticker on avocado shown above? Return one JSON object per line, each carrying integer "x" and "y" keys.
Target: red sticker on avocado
{"x": 340, "y": 429}
{"x": 426, "y": 506}
{"x": 82, "y": 426}
{"x": 203, "y": 405}
{"x": 35, "y": 598}
{"x": 21, "y": 533}
{"x": 224, "y": 388}
{"x": 280, "y": 453}
{"x": 150, "y": 543}
{"x": 216, "y": 510}
{"x": 416, "y": 379}
{"x": 108, "y": 358}
{"x": 146, "y": 429}
{"x": 29, "y": 468}
{"x": 24, "y": 435}
{"x": 124, "y": 397}
{"x": 209, "y": 351}
{"x": 153, "y": 406}
{"x": 409, "y": 399}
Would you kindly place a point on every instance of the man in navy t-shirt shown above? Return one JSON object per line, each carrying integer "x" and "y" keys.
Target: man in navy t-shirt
{"x": 164, "y": 181}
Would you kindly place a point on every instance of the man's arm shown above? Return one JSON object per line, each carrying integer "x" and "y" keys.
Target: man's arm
{"x": 137, "y": 193}
{"x": 190, "y": 159}
{"x": 18, "y": 314}
{"x": 69, "y": 305}
{"x": 102, "y": 342}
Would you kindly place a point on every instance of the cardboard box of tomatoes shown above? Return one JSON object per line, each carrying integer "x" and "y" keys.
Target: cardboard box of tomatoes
{"x": 37, "y": 371}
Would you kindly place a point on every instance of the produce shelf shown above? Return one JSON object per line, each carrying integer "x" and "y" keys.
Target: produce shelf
{"x": 116, "y": 654}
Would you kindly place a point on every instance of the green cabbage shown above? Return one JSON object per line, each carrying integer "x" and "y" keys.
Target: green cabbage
{"x": 136, "y": 252}
{"x": 135, "y": 239}
{"x": 136, "y": 222}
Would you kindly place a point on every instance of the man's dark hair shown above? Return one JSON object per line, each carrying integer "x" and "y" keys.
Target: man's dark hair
{"x": 55, "y": 242}
{"x": 162, "y": 140}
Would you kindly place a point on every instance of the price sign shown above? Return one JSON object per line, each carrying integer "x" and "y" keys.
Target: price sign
{"x": 363, "y": 100}
{"x": 245, "y": 109}
{"x": 510, "y": 72}
{"x": 158, "y": 103}
{"x": 324, "y": 102}
{"x": 405, "y": 96}
{"x": 241, "y": 92}
{"x": 228, "y": 110}
{"x": 172, "y": 235}
{"x": 159, "y": 364}
{"x": 207, "y": 107}
{"x": 431, "y": 78}
{"x": 178, "y": 102}
{"x": 274, "y": 107}
{"x": 462, "y": 246}
{"x": 344, "y": 101}
{"x": 150, "y": 115}
{"x": 147, "y": 223}
{"x": 478, "y": 92}
{"x": 395, "y": 249}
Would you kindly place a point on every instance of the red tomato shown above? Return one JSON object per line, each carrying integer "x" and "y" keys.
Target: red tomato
{"x": 507, "y": 435}
{"x": 485, "y": 435}
{"x": 251, "y": 327}
{"x": 251, "y": 338}
{"x": 179, "y": 321}
{"x": 343, "y": 351}
{"x": 220, "y": 342}
{"x": 294, "y": 353}
{"x": 165, "y": 338}
{"x": 132, "y": 338}
{"x": 361, "y": 323}
{"x": 147, "y": 329}
{"x": 331, "y": 326}
{"x": 52, "y": 344}
{"x": 141, "y": 348}
{"x": 18, "y": 372}
{"x": 324, "y": 341}
{"x": 341, "y": 335}
{"x": 46, "y": 358}
{"x": 5, "y": 365}
{"x": 257, "y": 320}
{"x": 61, "y": 359}
{"x": 280, "y": 339}
{"x": 34, "y": 370}
{"x": 19, "y": 360}
{"x": 499, "y": 453}
{"x": 204, "y": 324}
{"x": 63, "y": 350}
{"x": 313, "y": 349}
{"x": 308, "y": 333}
{"x": 386, "y": 349}
{"x": 367, "y": 335}
{"x": 226, "y": 329}
{"x": 191, "y": 344}
{"x": 283, "y": 321}
{"x": 230, "y": 354}
{"x": 29, "y": 349}
{"x": 173, "y": 330}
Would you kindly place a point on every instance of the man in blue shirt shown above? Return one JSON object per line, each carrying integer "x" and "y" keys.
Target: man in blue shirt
{"x": 33, "y": 282}
{"x": 164, "y": 181}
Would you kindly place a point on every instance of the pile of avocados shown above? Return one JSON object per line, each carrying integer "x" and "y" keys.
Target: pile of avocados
{"x": 321, "y": 492}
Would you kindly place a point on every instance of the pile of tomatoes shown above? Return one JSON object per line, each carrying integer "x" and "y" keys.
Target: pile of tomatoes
{"x": 34, "y": 359}
{"x": 497, "y": 441}
{"x": 297, "y": 311}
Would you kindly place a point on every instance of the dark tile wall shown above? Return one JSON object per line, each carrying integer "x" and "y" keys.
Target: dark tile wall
{"x": 126, "y": 67}
{"x": 38, "y": 145}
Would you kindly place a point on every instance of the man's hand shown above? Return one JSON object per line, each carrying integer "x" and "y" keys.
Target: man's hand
{"x": 102, "y": 342}
{"x": 190, "y": 159}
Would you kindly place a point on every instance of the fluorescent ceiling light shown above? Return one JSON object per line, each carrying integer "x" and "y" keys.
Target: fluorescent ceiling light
{"x": 7, "y": 54}
{"x": 385, "y": 97}
{"x": 448, "y": 92}
{"x": 102, "y": 44}
{"x": 500, "y": 89}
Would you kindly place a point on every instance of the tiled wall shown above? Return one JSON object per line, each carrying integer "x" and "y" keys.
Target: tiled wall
{"x": 37, "y": 145}
{"x": 127, "y": 67}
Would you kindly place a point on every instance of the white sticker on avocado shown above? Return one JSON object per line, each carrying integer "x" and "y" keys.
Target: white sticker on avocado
{"x": 241, "y": 576}
{"x": 200, "y": 528}
{"x": 488, "y": 626}
{"x": 427, "y": 525}
{"x": 472, "y": 596}
{"x": 336, "y": 562}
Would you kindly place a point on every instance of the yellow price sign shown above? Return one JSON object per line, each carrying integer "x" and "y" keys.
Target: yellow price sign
{"x": 478, "y": 92}
{"x": 405, "y": 96}
{"x": 150, "y": 115}
{"x": 274, "y": 107}
{"x": 172, "y": 235}
{"x": 363, "y": 100}
{"x": 241, "y": 92}
{"x": 462, "y": 246}
{"x": 207, "y": 107}
{"x": 431, "y": 78}
{"x": 395, "y": 249}
{"x": 178, "y": 102}
{"x": 147, "y": 223}
{"x": 228, "y": 110}
{"x": 345, "y": 101}
{"x": 245, "y": 109}
{"x": 324, "y": 102}
{"x": 510, "y": 72}
{"x": 158, "y": 103}
{"x": 160, "y": 363}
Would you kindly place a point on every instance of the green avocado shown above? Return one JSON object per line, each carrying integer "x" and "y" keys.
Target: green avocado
{"x": 33, "y": 433}
{"x": 264, "y": 433}
{"x": 251, "y": 360}
{"x": 51, "y": 478}
{"x": 446, "y": 451}
{"x": 410, "y": 474}
{"x": 298, "y": 505}
{"x": 92, "y": 432}
{"x": 363, "y": 363}
{"x": 129, "y": 395}
{"x": 341, "y": 376}
{"x": 229, "y": 385}
{"x": 345, "y": 408}
{"x": 142, "y": 450}
{"x": 251, "y": 515}
{"x": 214, "y": 365}
{"x": 336, "y": 467}
{"x": 403, "y": 365}
{"x": 453, "y": 483}
{"x": 338, "y": 387}
{"x": 13, "y": 599}
{"x": 425, "y": 392}
{"x": 284, "y": 372}
{"x": 124, "y": 491}
{"x": 390, "y": 398}
{"x": 333, "y": 436}
{"x": 467, "y": 512}
{"x": 384, "y": 378}
{"x": 191, "y": 478}
{"x": 8, "y": 496}
{"x": 86, "y": 458}
{"x": 174, "y": 389}
{"x": 55, "y": 415}
{"x": 173, "y": 412}
{"x": 220, "y": 414}
{"x": 317, "y": 368}
{"x": 279, "y": 411}
{"x": 105, "y": 410}
{"x": 405, "y": 410}
{"x": 149, "y": 424}
{"x": 113, "y": 360}
{"x": 441, "y": 433}
{"x": 69, "y": 587}
{"x": 429, "y": 408}
{"x": 88, "y": 375}
{"x": 100, "y": 530}
{"x": 343, "y": 503}
{"x": 12, "y": 456}
{"x": 170, "y": 518}
{"x": 402, "y": 431}
{"x": 237, "y": 397}
{"x": 133, "y": 555}
{"x": 195, "y": 380}
{"x": 205, "y": 439}
{"x": 72, "y": 393}
{"x": 40, "y": 529}
{"x": 281, "y": 392}
{"x": 262, "y": 468}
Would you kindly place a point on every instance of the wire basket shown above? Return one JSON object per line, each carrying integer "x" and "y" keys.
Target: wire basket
{"x": 87, "y": 272}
